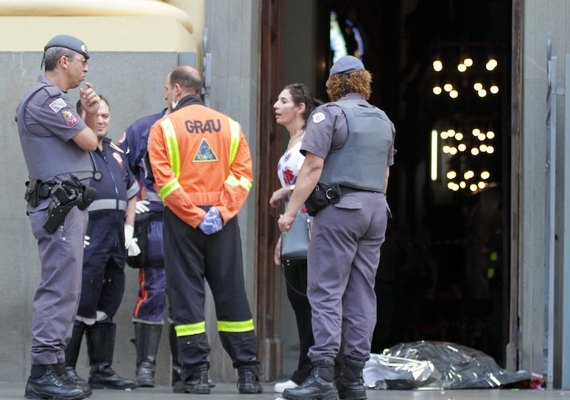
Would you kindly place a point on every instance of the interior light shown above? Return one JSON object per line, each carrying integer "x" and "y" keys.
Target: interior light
{"x": 462, "y": 147}
{"x": 478, "y": 86}
{"x": 481, "y": 185}
{"x": 437, "y": 65}
{"x": 476, "y": 132}
{"x": 473, "y": 187}
{"x": 451, "y": 133}
{"x": 459, "y": 136}
{"x": 453, "y": 151}
{"x": 490, "y": 149}
{"x": 453, "y": 94}
{"x": 482, "y": 93}
{"x": 475, "y": 151}
{"x": 490, "y": 134}
{"x": 446, "y": 149}
{"x": 443, "y": 135}
{"x": 485, "y": 175}
{"x": 437, "y": 90}
{"x": 451, "y": 174}
{"x": 447, "y": 87}
{"x": 483, "y": 148}
{"x": 461, "y": 68}
{"x": 481, "y": 137}
{"x": 468, "y": 62}
{"x": 468, "y": 174}
{"x": 462, "y": 184}
{"x": 494, "y": 89}
{"x": 434, "y": 155}
{"x": 491, "y": 64}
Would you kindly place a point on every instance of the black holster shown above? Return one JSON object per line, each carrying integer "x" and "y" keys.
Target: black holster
{"x": 321, "y": 196}
{"x": 65, "y": 197}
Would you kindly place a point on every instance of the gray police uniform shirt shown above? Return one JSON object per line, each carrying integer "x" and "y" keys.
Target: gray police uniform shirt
{"x": 327, "y": 129}
{"x": 51, "y": 123}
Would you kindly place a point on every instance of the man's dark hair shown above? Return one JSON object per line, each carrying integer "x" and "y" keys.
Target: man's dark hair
{"x": 79, "y": 108}
{"x": 187, "y": 78}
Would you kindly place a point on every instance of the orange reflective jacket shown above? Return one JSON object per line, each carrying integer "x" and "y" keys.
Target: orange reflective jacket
{"x": 200, "y": 157}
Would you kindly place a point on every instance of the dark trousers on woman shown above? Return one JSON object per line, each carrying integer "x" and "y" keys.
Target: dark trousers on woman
{"x": 296, "y": 278}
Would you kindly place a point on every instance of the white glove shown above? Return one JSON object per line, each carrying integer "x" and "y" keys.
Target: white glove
{"x": 129, "y": 231}
{"x": 86, "y": 240}
{"x": 133, "y": 249}
{"x": 142, "y": 206}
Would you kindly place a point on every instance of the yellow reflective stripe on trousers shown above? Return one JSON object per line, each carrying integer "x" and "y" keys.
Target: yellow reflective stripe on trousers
{"x": 235, "y": 326}
{"x": 190, "y": 329}
{"x": 170, "y": 187}
{"x": 172, "y": 144}
{"x": 234, "y": 144}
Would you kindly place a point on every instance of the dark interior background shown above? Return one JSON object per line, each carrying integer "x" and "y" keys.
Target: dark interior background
{"x": 444, "y": 268}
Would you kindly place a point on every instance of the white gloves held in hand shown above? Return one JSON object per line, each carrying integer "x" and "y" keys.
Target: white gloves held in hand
{"x": 131, "y": 245}
{"x": 142, "y": 206}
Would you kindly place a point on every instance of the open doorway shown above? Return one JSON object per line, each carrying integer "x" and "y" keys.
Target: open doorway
{"x": 441, "y": 72}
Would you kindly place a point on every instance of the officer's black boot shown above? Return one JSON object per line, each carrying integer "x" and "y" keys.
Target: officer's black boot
{"x": 197, "y": 381}
{"x": 50, "y": 382}
{"x": 176, "y": 378}
{"x": 147, "y": 338}
{"x": 350, "y": 384}
{"x": 71, "y": 355}
{"x": 248, "y": 379}
{"x": 100, "y": 347}
{"x": 319, "y": 385}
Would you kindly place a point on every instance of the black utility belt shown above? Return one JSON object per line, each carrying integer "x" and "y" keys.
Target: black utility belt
{"x": 324, "y": 195}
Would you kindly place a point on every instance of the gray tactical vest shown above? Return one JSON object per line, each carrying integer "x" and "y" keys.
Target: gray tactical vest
{"x": 361, "y": 163}
{"x": 48, "y": 156}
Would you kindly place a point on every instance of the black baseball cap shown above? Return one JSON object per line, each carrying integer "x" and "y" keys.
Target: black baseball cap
{"x": 69, "y": 42}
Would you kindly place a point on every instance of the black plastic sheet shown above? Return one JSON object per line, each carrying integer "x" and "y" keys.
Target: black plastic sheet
{"x": 438, "y": 365}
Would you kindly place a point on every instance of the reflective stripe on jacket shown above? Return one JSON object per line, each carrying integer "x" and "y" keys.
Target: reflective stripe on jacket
{"x": 200, "y": 157}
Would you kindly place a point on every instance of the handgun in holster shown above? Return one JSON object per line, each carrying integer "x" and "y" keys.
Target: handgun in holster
{"x": 64, "y": 199}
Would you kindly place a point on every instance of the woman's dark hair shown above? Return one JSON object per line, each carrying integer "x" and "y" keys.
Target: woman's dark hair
{"x": 300, "y": 94}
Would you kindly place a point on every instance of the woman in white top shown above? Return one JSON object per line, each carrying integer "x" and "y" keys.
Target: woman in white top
{"x": 292, "y": 109}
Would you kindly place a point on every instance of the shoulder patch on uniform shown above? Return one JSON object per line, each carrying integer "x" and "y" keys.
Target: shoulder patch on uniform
{"x": 57, "y": 104}
{"x": 318, "y": 117}
{"x": 70, "y": 119}
{"x": 205, "y": 153}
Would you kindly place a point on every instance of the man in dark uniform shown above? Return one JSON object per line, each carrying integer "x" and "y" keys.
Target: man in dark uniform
{"x": 348, "y": 147}
{"x": 109, "y": 234}
{"x": 55, "y": 142}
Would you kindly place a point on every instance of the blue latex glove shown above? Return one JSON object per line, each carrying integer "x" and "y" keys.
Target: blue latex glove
{"x": 212, "y": 222}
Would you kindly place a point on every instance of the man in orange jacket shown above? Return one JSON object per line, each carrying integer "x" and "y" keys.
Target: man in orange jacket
{"x": 203, "y": 173}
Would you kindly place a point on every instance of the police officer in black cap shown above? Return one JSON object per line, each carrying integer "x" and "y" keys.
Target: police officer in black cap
{"x": 55, "y": 141}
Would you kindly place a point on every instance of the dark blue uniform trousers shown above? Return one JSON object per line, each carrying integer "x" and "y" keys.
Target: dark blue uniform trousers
{"x": 343, "y": 260}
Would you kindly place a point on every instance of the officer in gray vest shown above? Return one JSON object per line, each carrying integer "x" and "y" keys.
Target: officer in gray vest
{"x": 348, "y": 147}
{"x": 55, "y": 142}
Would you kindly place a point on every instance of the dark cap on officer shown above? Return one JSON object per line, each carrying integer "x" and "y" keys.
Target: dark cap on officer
{"x": 69, "y": 42}
{"x": 346, "y": 64}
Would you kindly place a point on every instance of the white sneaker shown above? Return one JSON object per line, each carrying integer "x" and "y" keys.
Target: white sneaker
{"x": 281, "y": 386}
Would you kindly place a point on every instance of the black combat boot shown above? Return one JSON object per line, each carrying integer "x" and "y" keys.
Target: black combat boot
{"x": 350, "y": 384}
{"x": 318, "y": 386}
{"x": 248, "y": 379}
{"x": 100, "y": 347}
{"x": 71, "y": 355}
{"x": 50, "y": 382}
{"x": 197, "y": 382}
{"x": 147, "y": 338}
